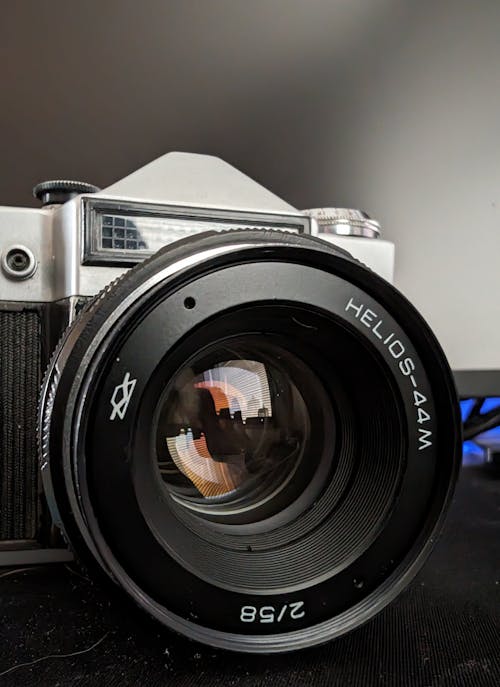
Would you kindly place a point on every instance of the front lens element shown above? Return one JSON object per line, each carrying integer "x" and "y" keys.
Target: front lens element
{"x": 233, "y": 427}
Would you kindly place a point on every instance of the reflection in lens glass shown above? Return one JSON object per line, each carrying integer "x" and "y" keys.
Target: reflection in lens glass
{"x": 233, "y": 425}
{"x": 228, "y": 395}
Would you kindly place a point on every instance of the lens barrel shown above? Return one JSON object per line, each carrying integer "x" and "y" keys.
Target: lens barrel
{"x": 255, "y": 436}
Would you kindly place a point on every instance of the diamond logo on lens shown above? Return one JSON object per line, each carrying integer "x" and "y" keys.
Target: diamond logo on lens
{"x": 121, "y": 397}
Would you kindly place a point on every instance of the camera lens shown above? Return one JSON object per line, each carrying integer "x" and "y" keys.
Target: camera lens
{"x": 281, "y": 455}
{"x": 232, "y": 430}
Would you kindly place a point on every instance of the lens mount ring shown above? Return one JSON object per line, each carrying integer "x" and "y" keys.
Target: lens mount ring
{"x": 90, "y": 359}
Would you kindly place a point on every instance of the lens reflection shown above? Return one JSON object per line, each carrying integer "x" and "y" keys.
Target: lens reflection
{"x": 232, "y": 426}
{"x": 223, "y": 400}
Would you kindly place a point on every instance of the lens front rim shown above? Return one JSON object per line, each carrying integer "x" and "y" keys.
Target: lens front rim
{"x": 299, "y": 252}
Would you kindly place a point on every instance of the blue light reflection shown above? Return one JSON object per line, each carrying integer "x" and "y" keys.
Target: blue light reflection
{"x": 473, "y": 453}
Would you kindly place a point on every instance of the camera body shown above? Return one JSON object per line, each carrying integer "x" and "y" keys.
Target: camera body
{"x": 57, "y": 258}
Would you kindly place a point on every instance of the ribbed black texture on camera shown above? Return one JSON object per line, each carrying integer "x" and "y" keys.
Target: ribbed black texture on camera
{"x": 20, "y": 370}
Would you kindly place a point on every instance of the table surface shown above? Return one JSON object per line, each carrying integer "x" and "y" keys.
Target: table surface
{"x": 444, "y": 630}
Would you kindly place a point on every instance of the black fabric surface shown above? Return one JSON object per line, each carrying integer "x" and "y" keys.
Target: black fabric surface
{"x": 444, "y": 631}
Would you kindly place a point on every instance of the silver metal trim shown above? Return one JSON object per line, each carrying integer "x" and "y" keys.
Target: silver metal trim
{"x": 56, "y": 238}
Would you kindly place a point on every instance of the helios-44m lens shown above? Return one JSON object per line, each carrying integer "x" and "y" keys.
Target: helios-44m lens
{"x": 254, "y": 436}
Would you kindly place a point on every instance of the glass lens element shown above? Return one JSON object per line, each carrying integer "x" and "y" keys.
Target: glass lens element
{"x": 224, "y": 400}
{"x": 233, "y": 426}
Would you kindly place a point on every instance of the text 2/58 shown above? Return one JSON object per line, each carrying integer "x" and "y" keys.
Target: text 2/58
{"x": 272, "y": 614}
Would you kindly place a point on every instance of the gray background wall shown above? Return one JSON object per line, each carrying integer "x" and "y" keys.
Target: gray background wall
{"x": 390, "y": 106}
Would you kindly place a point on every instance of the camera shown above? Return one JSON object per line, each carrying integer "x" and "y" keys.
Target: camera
{"x": 219, "y": 402}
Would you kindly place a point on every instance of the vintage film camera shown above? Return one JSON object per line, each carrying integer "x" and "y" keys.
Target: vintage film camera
{"x": 221, "y": 402}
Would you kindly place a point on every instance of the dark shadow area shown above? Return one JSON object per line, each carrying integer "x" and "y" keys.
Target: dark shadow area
{"x": 444, "y": 631}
